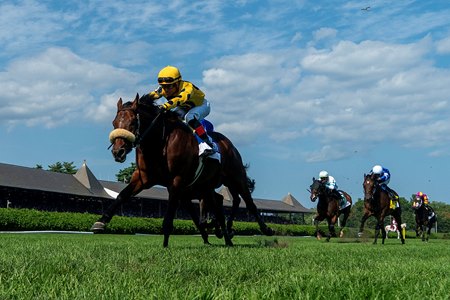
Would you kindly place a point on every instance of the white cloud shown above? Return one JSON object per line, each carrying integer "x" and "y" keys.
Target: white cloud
{"x": 371, "y": 92}
{"x": 55, "y": 87}
{"x": 324, "y": 33}
{"x": 443, "y": 46}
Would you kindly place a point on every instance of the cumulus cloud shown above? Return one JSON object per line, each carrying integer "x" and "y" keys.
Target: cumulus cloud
{"x": 369, "y": 91}
{"x": 56, "y": 87}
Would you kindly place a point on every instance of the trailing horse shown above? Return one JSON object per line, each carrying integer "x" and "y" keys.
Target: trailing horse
{"x": 329, "y": 208}
{"x": 377, "y": 203}
{"x": 425, "y": 219}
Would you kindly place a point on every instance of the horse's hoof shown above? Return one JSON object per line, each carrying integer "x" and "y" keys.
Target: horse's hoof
{"x": 229, "y": 243}
{"x": 98, "y": 227}
{"x": 268, "y": 231}
{"x": 218, "y": 233}
{"x": 341, "y": 234}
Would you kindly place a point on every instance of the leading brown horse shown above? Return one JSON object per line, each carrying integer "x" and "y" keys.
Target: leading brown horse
{"x": 328, "y": 208}
{"x": 377, "y": 203}
{"x": 167, "y": 155}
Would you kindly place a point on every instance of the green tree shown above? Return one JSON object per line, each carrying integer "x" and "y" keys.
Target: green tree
{"x": 60, "y": 167}
{"x": 124, "y": 175}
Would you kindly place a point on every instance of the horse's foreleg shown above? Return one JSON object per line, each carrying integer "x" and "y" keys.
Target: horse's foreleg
{"x": 429, "y": 231}
{"x": 124, "y": 195}
{"x": 379, "y": 227}
{"x": 363, "y": 221}
{"x": 346, "y": 214}
{"x": 167, "y": 226}
{"x": 383, "y": 232}
{"x": 331, "y": 229}
{"x": 317, "y": 220}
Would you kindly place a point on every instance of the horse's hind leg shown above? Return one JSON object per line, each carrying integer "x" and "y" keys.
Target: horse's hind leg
{"x": 236, "y": 190}
{"x": 218, "y": 206}
{"x": 234, "y": 210}
{"x": 201, "y": 226}
{"x": 254, "y": 211}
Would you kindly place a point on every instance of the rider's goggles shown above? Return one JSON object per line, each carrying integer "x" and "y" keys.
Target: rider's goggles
{"x": 167, "y": 80}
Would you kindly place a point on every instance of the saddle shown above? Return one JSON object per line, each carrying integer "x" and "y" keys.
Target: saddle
{"x": 393, "y": 196}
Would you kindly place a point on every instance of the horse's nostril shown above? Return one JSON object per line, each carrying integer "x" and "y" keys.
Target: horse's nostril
{"x": 119, "y": 154}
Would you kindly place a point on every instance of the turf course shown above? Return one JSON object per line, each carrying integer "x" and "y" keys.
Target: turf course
{"x": 72, "y": 266}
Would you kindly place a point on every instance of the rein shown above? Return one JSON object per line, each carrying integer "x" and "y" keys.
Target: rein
{"x": 140, "y": 137}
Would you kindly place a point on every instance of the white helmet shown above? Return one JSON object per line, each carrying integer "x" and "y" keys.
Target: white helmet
{"x": 323, "y": 174}
{"x": 377, "y": 170}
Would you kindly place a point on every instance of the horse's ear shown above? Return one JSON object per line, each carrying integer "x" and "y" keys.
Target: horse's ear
{"x": 137, "y": 97}
{"x": 314, "y": 178}
{"x": 119, "y": 104}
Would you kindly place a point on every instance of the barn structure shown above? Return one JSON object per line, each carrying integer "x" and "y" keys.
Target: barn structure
{"x": 24, "y": 187}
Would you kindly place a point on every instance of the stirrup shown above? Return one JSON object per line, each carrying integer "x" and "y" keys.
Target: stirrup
{"x": 207, "y": 152}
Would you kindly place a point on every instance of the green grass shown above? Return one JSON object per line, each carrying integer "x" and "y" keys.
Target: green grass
{"x": 69, "y": 266}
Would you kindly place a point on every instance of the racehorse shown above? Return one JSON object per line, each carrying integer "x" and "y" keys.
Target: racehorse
{"x": 328, "y": 208}
{"x": 377, "y": 203}
{"x": 167, "y": 155}
{"x": 425, "y": 219}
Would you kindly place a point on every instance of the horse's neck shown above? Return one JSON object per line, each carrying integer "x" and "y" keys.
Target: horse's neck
{"x": 324, "y": 199}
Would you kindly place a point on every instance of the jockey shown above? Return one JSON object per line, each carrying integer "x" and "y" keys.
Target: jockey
{"x": 187, "y": 100}
{"x": 330, "y": 185}
{"x": 424, "y": 198}
{"x": 383, "y": 176}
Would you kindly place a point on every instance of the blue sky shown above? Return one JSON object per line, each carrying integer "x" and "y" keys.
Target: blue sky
{"x": 298, "y": 86}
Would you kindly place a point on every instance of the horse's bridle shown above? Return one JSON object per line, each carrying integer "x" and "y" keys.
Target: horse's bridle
{"x": 374, "y": 189}
{"x": 137, "y": 122}
{"x": 317, "y": 191}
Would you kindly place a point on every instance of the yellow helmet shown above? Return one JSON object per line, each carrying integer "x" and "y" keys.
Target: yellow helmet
{"x": 169, "y": 75}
